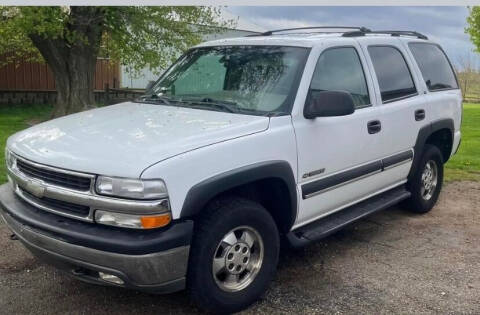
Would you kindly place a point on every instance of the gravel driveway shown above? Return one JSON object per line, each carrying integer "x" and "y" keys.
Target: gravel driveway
{"x": 392, "y": 262}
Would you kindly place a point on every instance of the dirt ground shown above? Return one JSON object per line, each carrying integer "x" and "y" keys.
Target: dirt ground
{"x": 392, "y": 262}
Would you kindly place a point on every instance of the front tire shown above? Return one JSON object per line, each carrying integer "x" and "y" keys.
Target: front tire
{"x": 234, "y": 255}
{"x": 426, "y": 183}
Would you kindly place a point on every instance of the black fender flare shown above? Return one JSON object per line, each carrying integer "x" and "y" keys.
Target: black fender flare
{"x": 200, "y": 194}
{"x": 422, "y": 137}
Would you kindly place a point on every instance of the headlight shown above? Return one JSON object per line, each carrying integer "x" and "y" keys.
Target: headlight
{"x": 131, "y": 188}
{"x": 131, "y": 220}
{"x": 10, "y": 159}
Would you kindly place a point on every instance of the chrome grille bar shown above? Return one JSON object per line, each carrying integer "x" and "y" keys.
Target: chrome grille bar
{"x": 37, "y": 203}
{"x": 58, "y": 177}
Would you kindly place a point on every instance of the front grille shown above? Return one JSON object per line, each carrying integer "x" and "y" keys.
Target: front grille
{"x": 58, "y": 205}
{"x": 54, "y": 177}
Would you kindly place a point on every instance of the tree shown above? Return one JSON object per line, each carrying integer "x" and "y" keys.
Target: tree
{"x": 473, "y": 28}
{"x": 69, "y": 40}
{"x": 467, "y": 72}
{"x": 470, "y": 69}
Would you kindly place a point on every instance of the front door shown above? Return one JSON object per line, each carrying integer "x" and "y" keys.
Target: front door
{"x": 339, "y": 160}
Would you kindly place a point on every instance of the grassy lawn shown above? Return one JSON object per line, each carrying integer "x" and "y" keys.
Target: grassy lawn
{"x": 14, "y": 118}
{"x": 465, "y": 165}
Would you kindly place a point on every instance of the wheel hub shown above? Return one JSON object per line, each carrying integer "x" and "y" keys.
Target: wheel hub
{"x": 238, "y": 259}
{"x": 429, "y": 180}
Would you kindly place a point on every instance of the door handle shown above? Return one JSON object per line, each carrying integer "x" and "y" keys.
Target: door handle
{"x": 374, "y": 126}
{"x": 419, "y": 114}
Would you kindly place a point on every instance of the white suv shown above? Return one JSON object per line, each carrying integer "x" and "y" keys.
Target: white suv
{"x": 292, "y": 133}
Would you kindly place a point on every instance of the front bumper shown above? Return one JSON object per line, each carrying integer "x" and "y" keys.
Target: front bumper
{"x": 154, "y": 261}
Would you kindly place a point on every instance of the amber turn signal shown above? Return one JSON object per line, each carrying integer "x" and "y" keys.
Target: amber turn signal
{"x": 156, "y": 221}
{"x": 132, "y": 221}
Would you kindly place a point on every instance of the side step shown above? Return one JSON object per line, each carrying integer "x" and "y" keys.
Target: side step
{"x": 338, "y": 220}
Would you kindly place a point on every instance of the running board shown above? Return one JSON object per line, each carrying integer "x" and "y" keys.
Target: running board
{"x": 338, "y": 220}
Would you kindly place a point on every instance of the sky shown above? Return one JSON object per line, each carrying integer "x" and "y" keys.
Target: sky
{"x": 444, "y": 25}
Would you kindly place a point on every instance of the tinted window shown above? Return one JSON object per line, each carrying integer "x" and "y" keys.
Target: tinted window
{"x": 339, "y": 69}
{"x": 393, "y": 75}
{"x": 246, "y": 79}
{"x": 436, "y": 70}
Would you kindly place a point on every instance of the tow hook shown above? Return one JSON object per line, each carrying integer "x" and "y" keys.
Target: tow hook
{"x": 13, "y": 237}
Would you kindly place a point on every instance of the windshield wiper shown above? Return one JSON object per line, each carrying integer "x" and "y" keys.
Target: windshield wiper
{"x": 155, "y": 98}
{"x": 210, "y": 102}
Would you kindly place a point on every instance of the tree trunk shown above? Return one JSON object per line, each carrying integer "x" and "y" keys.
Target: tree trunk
{"x": 73, "y": 64}
{"x": 74, "y": 84}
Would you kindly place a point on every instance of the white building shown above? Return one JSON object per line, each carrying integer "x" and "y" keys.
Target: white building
{"x": 242, "y": 27}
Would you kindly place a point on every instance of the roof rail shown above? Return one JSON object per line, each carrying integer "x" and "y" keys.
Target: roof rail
{"x": 392, "y": 33}
{"x": 269, "y": 33}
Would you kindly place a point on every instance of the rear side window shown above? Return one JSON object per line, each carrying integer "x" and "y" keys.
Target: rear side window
{"x": 340, "y": 69}
{"x": 434, "y": 65}
{"x": 394, "y": 77}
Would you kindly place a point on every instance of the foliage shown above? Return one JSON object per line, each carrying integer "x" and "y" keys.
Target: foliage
{"x": 137, "y": 36}
{"x": 473, "y": 28}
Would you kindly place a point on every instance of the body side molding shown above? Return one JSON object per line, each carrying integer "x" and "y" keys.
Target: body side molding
{"x": 198, "y": 196}
{"x": 318, "y": 186}
{"x": 327, "y": 183}
{"x": 396, "y": 159}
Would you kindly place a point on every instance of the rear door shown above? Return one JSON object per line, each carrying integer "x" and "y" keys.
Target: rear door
{"x": 402, "y": 100}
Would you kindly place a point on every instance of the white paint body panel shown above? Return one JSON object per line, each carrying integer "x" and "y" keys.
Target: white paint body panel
{"x": 185, "y": 170}
{"x": 124, "y": 139}
{"x": 187, "y": 146}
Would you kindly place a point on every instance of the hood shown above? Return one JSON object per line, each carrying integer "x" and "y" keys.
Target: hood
{"x": 124, "y": 139}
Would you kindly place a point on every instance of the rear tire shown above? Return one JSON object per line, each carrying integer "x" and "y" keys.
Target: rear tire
{"x": 426, "y": 183}
{"x": 234, "y": 255}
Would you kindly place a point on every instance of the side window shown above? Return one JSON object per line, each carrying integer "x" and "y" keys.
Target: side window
{"x": 394, "y": 77}
{"x": 340, "y": 69}
{"x": 434, "y": 65}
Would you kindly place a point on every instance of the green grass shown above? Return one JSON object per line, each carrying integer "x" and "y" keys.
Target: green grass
{"x": 465, "y": 165}
{"x": 14, "y": 118}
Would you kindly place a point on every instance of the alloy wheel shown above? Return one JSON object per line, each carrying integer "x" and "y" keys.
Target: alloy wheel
{"x": 429, "y": 180}
{"x": 238, "y": 259}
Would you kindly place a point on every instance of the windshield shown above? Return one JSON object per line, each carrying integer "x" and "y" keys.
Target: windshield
{"x": 243, "y": 79}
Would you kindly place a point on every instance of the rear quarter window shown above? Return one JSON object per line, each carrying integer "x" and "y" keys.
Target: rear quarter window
{"x": 434, "y": 65}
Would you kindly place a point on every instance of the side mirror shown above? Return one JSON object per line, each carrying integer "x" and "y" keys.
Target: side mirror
{"x": 327, "y": 104}
{"x": 150, "y": 84}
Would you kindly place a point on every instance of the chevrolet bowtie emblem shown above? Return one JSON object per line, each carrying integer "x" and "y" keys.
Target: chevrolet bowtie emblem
{"x": 36, "y": 189}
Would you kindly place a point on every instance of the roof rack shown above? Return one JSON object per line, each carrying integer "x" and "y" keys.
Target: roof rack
{"x": 392, "y": 33}
{"x": 269, "y": 33}
{"x": 357, "y": 31}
